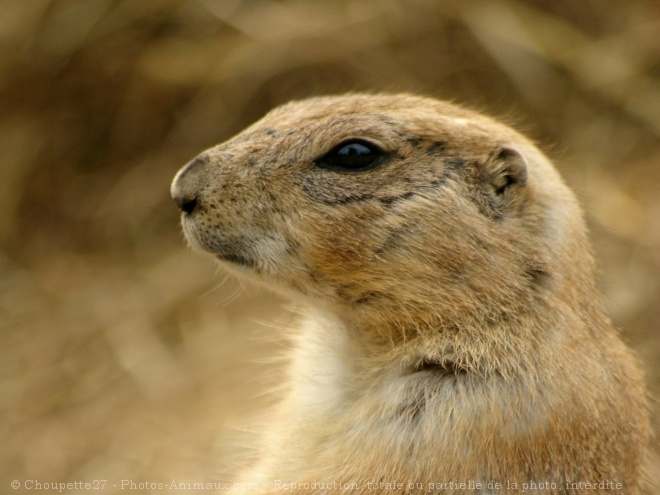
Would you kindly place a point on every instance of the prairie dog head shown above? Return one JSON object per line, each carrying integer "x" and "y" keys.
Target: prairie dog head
{"x": 379, "y": 205}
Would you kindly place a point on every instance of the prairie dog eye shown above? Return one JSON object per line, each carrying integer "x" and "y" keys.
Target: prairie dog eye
{"x": 352, "y": 155}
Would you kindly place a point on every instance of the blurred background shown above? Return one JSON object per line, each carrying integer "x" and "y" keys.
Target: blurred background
{"x": 125, "y": 356}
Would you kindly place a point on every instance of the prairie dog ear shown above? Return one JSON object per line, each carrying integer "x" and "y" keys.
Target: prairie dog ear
{"x": 505, "y": 168}
{"x": 498, "y": 185}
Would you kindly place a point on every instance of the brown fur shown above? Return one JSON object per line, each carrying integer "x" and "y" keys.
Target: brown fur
{"x": 455, "y": 332}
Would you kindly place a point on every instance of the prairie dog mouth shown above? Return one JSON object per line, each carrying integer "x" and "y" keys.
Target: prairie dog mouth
{"x": 211, "y": 241}
{"x": 253, "y": 249}
{"x": 237, "y": 259}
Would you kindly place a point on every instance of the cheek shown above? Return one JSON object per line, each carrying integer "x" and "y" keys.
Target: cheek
{"x": 341, "y": 243}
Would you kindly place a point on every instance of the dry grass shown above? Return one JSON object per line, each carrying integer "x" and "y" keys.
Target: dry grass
{"x": 123, "y": 356}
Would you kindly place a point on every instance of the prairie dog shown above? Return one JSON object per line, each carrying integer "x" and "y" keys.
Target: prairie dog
{"x": 455, "y": 340}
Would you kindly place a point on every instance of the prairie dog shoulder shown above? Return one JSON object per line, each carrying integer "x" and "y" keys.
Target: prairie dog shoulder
{"x": 455, "y": 331}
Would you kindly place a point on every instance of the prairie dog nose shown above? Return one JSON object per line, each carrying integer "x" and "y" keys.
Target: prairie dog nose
{"x": 187, "y": 185}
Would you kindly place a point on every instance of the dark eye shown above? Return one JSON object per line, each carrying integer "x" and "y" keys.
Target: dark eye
{"x": 355, "y": 154}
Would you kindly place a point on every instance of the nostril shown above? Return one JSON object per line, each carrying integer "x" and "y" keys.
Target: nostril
{"x": 187, "y": 204}
{"x": 188, "y": 183}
